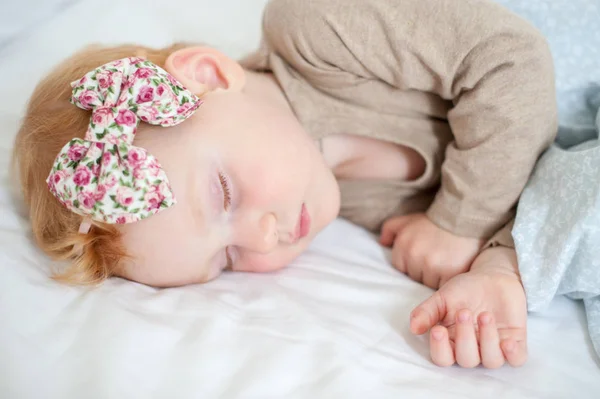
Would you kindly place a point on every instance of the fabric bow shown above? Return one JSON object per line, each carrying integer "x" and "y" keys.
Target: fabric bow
{"x": 105, "y": 177}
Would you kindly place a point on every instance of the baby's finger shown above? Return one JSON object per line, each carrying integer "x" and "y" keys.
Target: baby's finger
{"x": 515, "y": 352}
{"x": 466, "y": 350}
{"x": 489, "y": 342}
{"x": 387, "y": 237}
{"x": 427, "y": 314}
{"x": 440, "y": 348}
{"x": 390, "y": 229}
{"x": 398, "y": 259}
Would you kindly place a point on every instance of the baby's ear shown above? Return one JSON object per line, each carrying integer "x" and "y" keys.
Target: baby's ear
{"x": 203, "y": 69}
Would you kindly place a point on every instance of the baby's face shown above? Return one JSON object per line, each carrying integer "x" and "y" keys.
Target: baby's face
{"x": 252, "y": 191}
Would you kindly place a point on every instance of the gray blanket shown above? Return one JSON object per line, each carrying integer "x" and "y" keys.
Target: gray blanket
{"x": 557, "y": 228}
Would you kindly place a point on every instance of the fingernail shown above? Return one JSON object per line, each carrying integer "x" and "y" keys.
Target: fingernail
{"x": 485, "y": 319}
{"x": 464, "y": 317}
{"x": 437, "y": 335}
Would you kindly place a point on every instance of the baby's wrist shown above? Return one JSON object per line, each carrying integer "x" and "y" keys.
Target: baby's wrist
{"x": 501, "y": 259}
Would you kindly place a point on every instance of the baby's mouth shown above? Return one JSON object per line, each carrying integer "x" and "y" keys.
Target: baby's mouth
{"x": 303, "y": 225}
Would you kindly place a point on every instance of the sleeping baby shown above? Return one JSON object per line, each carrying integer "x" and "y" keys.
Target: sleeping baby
{"x": 420, "y": 120}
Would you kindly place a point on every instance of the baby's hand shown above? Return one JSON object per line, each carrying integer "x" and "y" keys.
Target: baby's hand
{"x": 425, "y": 252}
{"x": 479, "y": 317}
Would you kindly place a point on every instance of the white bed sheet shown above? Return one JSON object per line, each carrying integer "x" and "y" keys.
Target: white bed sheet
{"x": 332, "y": 325}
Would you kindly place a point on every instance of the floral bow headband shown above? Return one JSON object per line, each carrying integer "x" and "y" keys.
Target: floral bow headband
{"x": 105, "y": 177}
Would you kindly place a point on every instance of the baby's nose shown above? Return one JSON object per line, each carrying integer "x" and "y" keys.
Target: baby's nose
{"x": 264, "y": 237}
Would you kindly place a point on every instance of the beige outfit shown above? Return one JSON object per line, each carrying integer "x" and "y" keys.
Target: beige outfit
{"x": 466, "y": 83}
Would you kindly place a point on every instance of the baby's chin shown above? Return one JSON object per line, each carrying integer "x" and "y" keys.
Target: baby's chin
{"x": 259, "y": 268}
{"x": 267, "y": 263}
{"x": 264, "y": 266}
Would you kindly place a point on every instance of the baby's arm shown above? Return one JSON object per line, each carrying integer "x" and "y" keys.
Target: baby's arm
{"x": 498, "y": 72}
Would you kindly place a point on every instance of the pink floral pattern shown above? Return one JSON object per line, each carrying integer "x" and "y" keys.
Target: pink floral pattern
{"x": 104, "y": 176}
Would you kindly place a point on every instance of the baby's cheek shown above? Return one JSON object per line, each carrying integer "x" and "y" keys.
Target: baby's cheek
{"x": 263, "y": 192}
{"x": 270, "y": 183}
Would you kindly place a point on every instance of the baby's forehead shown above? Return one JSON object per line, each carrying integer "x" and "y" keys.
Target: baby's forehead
{"x": 175, "y": 149}
{"x": 159, "y": 138}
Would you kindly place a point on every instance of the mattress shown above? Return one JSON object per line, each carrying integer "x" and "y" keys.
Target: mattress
{"x": 334, "y": 324}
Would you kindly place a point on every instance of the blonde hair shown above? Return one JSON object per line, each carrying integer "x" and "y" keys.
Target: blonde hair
{"x": 50, "y": 122}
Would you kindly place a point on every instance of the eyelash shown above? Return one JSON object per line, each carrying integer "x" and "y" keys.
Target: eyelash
{"x": 226, "y": 191}
{"x": 226, "y": 205}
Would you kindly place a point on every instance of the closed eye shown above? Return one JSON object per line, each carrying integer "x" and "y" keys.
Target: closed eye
{"x": 226, "y": 191}
{"x": 226, "y": 187}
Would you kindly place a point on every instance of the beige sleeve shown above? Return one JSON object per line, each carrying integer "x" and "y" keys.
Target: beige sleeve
{"x": 494, "y": 67}
{"x": 504, "y": 117}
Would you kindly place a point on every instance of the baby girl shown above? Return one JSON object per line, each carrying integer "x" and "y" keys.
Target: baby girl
{"x": 417, "y": 119}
